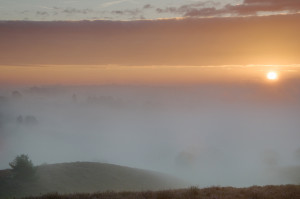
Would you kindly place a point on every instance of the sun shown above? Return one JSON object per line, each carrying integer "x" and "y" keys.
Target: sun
{"x": 272, "y": 75}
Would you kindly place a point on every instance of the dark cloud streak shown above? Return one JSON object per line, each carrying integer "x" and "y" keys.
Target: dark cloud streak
{"x": 254, "y": 6}
{"x": 188, "y": 8}
{"x": 77, "y": 11}
{"x": 42, "y": 13}
{"x": 248, "y": 7}
{"x": 133, "y": 12}
{"x": 147, "y": 6}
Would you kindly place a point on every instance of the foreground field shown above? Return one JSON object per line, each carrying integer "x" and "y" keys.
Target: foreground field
{"x": 255, "y": 192}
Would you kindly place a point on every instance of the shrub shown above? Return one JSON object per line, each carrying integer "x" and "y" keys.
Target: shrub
{"x": 22, "y": 168}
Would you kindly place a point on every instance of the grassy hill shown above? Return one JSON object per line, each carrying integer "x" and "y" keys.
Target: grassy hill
{"x": 84, "y": 177}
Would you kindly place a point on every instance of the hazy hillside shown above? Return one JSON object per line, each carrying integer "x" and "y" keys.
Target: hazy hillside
{"x": 85, "y": 177}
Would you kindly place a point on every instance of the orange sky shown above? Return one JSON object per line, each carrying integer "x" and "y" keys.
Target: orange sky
{"x": 115, "y": 74}
{"x": 185, "y": 50}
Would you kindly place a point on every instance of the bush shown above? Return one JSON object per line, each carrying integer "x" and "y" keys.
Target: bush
{"x": 22, "y": 168}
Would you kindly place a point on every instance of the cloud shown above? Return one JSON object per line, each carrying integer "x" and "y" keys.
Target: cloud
{"x": 189, "y": 41}
{"x": 255, "y": 6}
{"x": 248, "y": 7}
{"x": 42, "y": 13}
{"x": 132, "y": 12}
{"x": 188, "y": 7}
{"x": 111, "y": 3}
{"x": 77, "y": 11}
{"x": 147, "y": 6}
{"x": 62, "y": 11}
{"x": 87, "y": 11}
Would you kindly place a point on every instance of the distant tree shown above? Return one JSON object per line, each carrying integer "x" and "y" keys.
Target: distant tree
{"x": 74, "y": 98}
{"x": 23, "y": 168}
{"x": 16, "y": 94}
{"x": 20, "y": 119}
{"x": 30, "y": 120}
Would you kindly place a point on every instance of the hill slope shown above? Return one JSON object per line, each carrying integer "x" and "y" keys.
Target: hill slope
{"x": 85, "y": 177}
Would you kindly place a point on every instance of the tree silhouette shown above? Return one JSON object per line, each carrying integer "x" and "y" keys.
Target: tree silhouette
{"x": 16, "y": 94}
{"x": 23, "y": 168}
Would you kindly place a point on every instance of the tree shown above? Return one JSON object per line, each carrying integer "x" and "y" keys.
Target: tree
{"x": 16, "y": 95}
{"x": 23, "y": 168}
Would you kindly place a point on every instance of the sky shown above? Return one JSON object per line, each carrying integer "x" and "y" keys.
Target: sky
{"x": 175, "y": 86}
{"x": 66, "y": 10}
{"x": 54, "y": 52}
{"x": 48, "y": 10}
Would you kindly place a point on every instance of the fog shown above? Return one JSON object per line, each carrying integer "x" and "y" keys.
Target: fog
{"x": 209, "y": 134}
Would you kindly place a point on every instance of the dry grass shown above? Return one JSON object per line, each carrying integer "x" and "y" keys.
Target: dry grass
{"x": 255, "y": 192}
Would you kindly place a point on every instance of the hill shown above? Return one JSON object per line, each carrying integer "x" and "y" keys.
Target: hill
{"x": 84, "y": 177}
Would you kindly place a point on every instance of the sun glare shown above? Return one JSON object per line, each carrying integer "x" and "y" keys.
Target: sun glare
{"x": 272, "y": 75}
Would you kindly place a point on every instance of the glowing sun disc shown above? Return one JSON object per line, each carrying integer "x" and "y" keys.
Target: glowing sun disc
{"x": 272, "y": 75}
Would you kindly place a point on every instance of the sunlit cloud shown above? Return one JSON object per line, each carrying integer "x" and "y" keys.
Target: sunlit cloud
{"x": 248, "y": 7}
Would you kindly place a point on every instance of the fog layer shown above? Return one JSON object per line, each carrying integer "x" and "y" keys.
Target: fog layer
{"x": 229, "y": 135}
